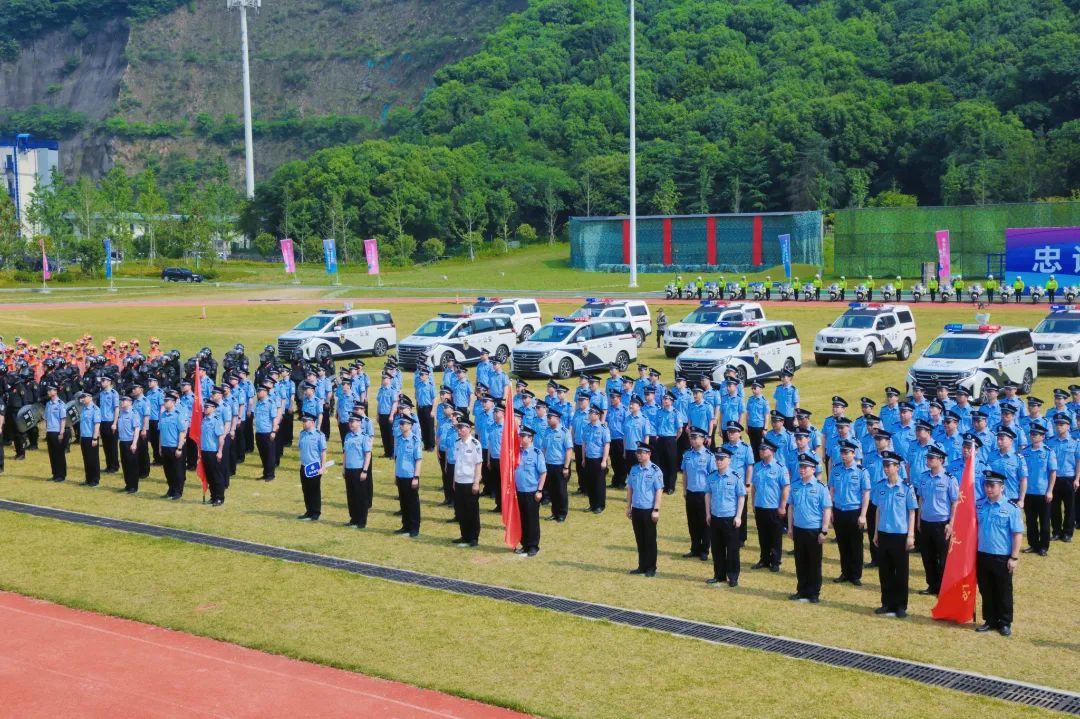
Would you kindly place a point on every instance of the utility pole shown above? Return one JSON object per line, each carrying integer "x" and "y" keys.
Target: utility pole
{"x": 633, "y": 152}
{"x": 249, "y": 153}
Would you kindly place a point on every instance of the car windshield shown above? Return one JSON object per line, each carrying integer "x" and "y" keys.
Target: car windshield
{"x": 589, "y": 311}
{"x": 435, "y": 328}
{"x": 1060, "y": 326}
{"x": 552, "y": 333}
{"x": 854, "y": 322}
{"x": 956, "y": 347}
{"x": 313, "y": 323}
{"x": 720, "y": 340}
{"x": 705, "y": 316}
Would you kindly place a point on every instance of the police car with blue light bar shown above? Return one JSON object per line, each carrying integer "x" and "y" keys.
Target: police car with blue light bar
{"x": 572, "y": 345}
{"x": 636, "y": 312}
{"x": 866, "y": 331}
{"x": 1057, "y": 339}
{"x": 974, "y": 356}
{"x": 755, "y": 350}
{"x": 681, "y": 335}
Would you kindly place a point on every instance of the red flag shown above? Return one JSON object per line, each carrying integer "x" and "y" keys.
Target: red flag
{"x": 195, "y": 431}
{"x": 508, "y": 462}
{"x": 956, "y": 601}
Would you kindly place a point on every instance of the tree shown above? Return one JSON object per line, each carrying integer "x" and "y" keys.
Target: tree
{"x": 116, "y": 206}
{"x": 471, "y": 215}
{"x": 87, "y": 204}
{"x": 858, "y": 186}
{"x": 525, "y": 234}
{"x": 219, "y": 203}
{"x": 50, "y": 212}
{"x": 266, "y": 244}
{"x": 12, "y": 243}
{"x": 433, "y": 249}
{"x": 666, "y": 199}
{"x": 553, "y": 204}
{"x": 151, "y": 205}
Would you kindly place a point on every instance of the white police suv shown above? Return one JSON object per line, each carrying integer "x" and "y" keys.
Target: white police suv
{"x": 636, "y": 312}
{"x": 569, "y": 346}
{"x": 524, "y": 313}
{"x": 755, "y": 349}
{"x": 458, "y": 336}
{"x": 682, "y": 335}
{"x": 976, "y": 355}
{"x": 340, "y": 334}
{"x": 865, "y": 332}
{"x": 1057, "y": 339}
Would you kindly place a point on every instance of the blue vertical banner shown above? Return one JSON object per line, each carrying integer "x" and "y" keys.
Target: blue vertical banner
{"x": 108, "y": 258}
{"x": 330, "y": 253}
{"x": 785, "y": 253}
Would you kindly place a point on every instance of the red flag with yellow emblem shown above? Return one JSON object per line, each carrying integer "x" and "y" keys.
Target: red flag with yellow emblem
{"x": 956, "y": 600}
{"x": 508, "y": 461}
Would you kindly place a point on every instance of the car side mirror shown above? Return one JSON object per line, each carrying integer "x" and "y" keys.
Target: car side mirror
{"x": 998, "y": 355}
{"x": 753, "y": 345}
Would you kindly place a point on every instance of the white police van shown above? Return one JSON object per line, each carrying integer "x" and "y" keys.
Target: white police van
{"x": 524, "y": 313}
{"x": 571, "y": 346}
{"x": 340, "y": 334}
{"x": 681, "y": 335}
{"x": 975, "y": 355}
{"x": 865, "y": 332}
{"x": 634, "y": 311}
{"x": 1057, "y": 339}
{"x": 755, "y": 349}
{"x": 458, "y": 336}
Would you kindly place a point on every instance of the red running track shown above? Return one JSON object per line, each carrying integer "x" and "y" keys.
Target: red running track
{"x": 60, "y": 662}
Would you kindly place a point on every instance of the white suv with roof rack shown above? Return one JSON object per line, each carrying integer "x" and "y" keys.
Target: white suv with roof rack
{"x": 865, "y": 332}
{"x": 523, "y": 313}
{"x": 1057, "y": 339}
{"x": 340, "y": 334}
{"x": 975, "y": 355}
{"x": 458, "y": 336}
{"x": 755, "y": 349}
{"x": 681, "y": 335}
{"x": 569, "y": 346}
{"x": 636, "y": 312}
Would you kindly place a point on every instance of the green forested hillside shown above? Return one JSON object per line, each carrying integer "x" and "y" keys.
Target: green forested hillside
{"x": 746, "y": 105}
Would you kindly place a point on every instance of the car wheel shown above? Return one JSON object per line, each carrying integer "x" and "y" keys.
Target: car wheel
{"x": 566, "y": 368}
{"x": 622, "y": 360}
{"x": 640, "y": 335}
{"x": 905, "y": 351}
{"x": 1076, "y": 370}
{"x": 740, "y": 372}
{"x": 502, "y": 354}
{"x": 789, "y": 365}
{"x": 322, "y": 352}
{"x": 869, "y": 356}
{"x": 380, "y": 348}
{"x": 526, "y": 333}
{"x": 982, "y": 391}
{"x": 1025, "y": 386}
{"x": 821, "y": 360}
{"x": 446, "y": 358}
{"x": 671, "y": 352}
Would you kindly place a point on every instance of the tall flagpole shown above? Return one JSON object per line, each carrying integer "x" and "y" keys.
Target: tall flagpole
{"x": 249, "y": 151}
{"x": 633, "y": 152}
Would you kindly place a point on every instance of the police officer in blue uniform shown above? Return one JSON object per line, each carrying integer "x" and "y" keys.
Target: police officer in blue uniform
{"x": 809, "y": 516}
{"x": 312, "y": 448}
{"x": 1042, "y": 468}
{"x": 558, "y": 448}
{"x": 172, "y": 436}
{"x": 596, "y": 448}
{"x": 266, "y": 423}
{"x": 697, "y": 463}
{"x": 55, "y": 428}
{"x": 529, "y": 478}
{"x": 849, "y": 484}
{"x": 212, "y": 447}
{"x": 1062, "y": 506}
{"x": 1000, "y": 531}
{"x": 757, "y": 411}
{"x": 644, "y": 492}
{"x": 356, "y": 451}
{"x": 938, "y": 493}
{"x": 894, "y": 535}
{"x": 725, "y": 500}
{"x": 1008, "y": 462}
{"x": 128, "y": 426}
{"x": 109, "y": 405}
{"x": 408, "y": 459}
{"x": 742, "y": 464}
{"x": 786, "y": 397}
{"x": 771, "y": 485}
{"x": 89, "y": 434}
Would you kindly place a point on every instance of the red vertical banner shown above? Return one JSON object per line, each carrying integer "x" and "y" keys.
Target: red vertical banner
{"x": 508, "y": 461}
{"x": 755, "y": 252}
{"x": 626, "y": 242}
{"x": 710, "y": 241}
{"x": 195, "y": 430}
{"x": 956, "y": 600}
{"x": 667, "y": 240}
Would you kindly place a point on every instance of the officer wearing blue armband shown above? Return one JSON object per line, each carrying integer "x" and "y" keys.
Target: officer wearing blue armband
{"x": 312, "y": 448}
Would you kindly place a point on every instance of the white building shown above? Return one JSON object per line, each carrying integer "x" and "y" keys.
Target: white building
{"x": 28, "y": 164}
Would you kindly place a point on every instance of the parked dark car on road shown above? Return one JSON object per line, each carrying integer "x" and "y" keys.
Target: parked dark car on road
{"x": 180, "y": 274}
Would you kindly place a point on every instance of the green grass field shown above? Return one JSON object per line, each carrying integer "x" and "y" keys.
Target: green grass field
{"x": 585, "y": 558}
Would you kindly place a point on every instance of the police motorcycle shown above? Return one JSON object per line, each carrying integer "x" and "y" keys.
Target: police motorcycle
{"x": 946, "y": 292}
{"x": 757, "y": 289}
{"x": 1037, "y": 292}
{"x": 975, "y": 292}
{"x": 671, "y": 292}
{"x": 1007, "y": 293}
{"x": 712, "y": 290}
{"x": 834, "y": 292}
{"x": 787, "y": 292}
{"x": 1071, "y": 293}
{"x": 807, "y": 292}
{"x": 918, "y": 291}
{"x": 862, "y": 294}
{"x": 889, "y": 293}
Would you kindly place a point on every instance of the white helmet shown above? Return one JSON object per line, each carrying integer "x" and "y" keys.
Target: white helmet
{"x": 869, "y": 277}
{"x": 898, "y": 277}
{"x": 991, "y": 277}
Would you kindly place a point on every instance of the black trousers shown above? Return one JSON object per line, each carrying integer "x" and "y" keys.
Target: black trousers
{"x": 529, "y": 511}
{"x": 1037, "y": 515}
{"x": 129, "y": 463}
{"x": 619, "y": 467}
{"x": 579, "y": 467}
{"x": 266, "y": 454}
{"x": 155, "y": 440}
{"x": 871, "y": 522}
{"x": 91, "y": 461}
{"x": 191, "y": 454}
{"x": 725, "y": 548}
{"x": 645, "y": 536}
{"x": 995, "y": 588}
{"x": 286, "y": 428}
{"x": 934, "y": 548}
{"x": 595, "y": 483}
{"x": 343, "y": 429}
{"x": 447, "y": 473}
{"x": 1063, "y": 508}
{"x": 745, "y": 515}
{"x": 356, "y": 496}
{"x": 427, "y": 427}
{"x": 409, "y": 499}
{"x": 770, "y": 535}
{"x": 695, "y": 523}
{"x": 755, "y": 434}
{"x": 144, "y": 455}
{"x": 175, "y": 471}
{"x": 57, "y": 459}
{"x": 239, "y": 447}
{"x": 467, "y": 510}
{"x": 892, "y": 559}
{"x": 312, "y": 489}
{"x": 224, "y": 468}
{"x": 807, "y": 562}
{"x": 990, "y": 296}
{"x": 249, "y": 433}
{"x": 666, "y": 456}
{"x": 108, "y": 446}
{"x": 214, "y": 475}
{"x": 849, "y": 540}
{"x": 557, "y": 490}
{"x": 386, "y": 432}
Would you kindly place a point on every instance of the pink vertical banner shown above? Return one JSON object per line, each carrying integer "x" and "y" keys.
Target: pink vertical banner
{"x": 944, "y": 268}
{"x": 288, "y": 255}
{"x": 371, "y": 253}
{"x": 44, "y": 260}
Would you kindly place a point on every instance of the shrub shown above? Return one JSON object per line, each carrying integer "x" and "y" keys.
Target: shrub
{"x": 26, "y": 276}
{"x": 64, "y": 277}
{"x": 434, "y": 248}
